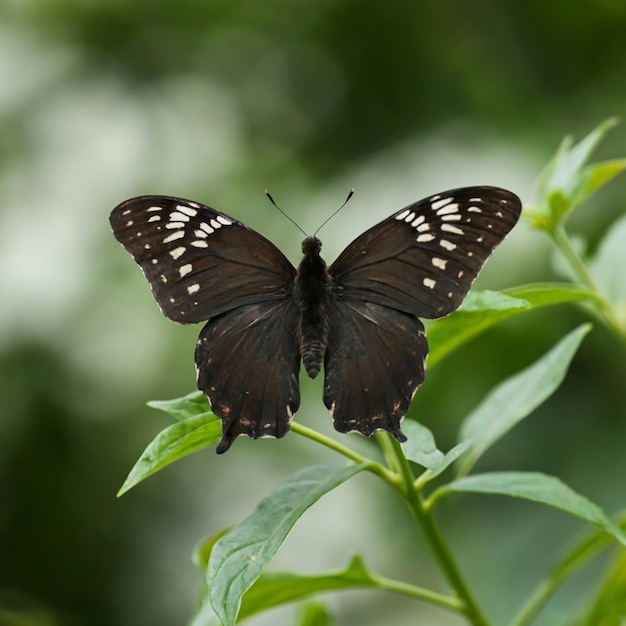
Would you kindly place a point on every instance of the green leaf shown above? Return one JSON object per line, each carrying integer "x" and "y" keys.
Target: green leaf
{"x": 420, "y": 446}
{"x": 564, "y": 184}
{"x": 547, "y": 294}
{"x": 274, "y": 589}
{"x": 192, "y": 404}
{"x": 594, "y": 177}
{"x": 450, "y": 457}
{"x": 314, "y": 613}
{"x": 515, "y": 398}
{"x": 609, "y": 266}
{"x": 538, "y": 488}
{"x": 239, "y": 557}
{"x": 173, "y": 443}
{"x": 480, "y": 310}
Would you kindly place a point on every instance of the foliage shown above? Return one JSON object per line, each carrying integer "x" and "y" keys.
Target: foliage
{"x": 234, "y": 560}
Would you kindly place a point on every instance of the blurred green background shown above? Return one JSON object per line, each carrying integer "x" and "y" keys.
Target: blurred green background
{"x": 216, "y": 101}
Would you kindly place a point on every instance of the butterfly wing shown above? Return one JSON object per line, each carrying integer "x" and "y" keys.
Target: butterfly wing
{"x": 421, "y": 262}
{"x": 248, "y": 363}
{"x": 204, "y": 265}
{"x": 424, "y": 259}
{"x": 374, "y": 364}
{"x": 199, "y": 262}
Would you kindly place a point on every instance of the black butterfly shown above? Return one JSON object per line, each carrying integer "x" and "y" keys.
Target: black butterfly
{"x": 357, "y": 319}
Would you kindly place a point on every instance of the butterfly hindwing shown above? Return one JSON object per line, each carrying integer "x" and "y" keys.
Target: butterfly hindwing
{"x": 423, "y": 259}
{"x": 374, "y": 364}
{"x": 248, "y": 363}
{"x": 199, "y": 262}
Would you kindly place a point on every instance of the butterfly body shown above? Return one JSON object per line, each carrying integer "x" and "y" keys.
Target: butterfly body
{"x": 357, "y": 319}
{"x": 313, "y": 287}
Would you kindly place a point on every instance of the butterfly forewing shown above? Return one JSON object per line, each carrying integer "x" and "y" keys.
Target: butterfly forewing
{"x": 199, "y": 262}
{"x": 424, "y": 259}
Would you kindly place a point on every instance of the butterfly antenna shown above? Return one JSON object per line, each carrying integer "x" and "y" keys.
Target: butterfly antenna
{"x": 335, "y": 213}
{"x": 269, "y": 195}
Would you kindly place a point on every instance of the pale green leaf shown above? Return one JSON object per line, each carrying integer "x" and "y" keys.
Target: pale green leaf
{"x": 239, "y": 557}
{"x": 515, "y": 398}
{"x": 537, "y": 487}
{"x": 420, "y": 446}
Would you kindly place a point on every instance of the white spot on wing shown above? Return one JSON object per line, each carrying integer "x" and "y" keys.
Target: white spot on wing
{"x": 402, "y": 215}
{"x": 126, "y": 212}
{"x": 175, "y": 216}
{"x": 174, "y": 236}
{"x": 177, "y": 252}
{"x": 205, "y": 227}
{"x": 224, "y": 220}
{"x": 154, "y": 218}
{"x": 449, "y": 228}
{"x": 200, "y": 243}
{"x": 163, "y": 278}
{"x": 215, "y": 224}
{"x": 417, "y": 221}
{"x": 174, "y": 225}
{"x": 410, "y": 217}
{"x": 193, "y": 288}
{"x": 425, "y": 238}
{"x": 429, "y": 282}
{"x": 183, "y": 270}
{"x": 453, "y": 217}
{"x": 438, "y": 204}
{"x": 200, "y": 233}
{"x": 129, "y": 223}
{"x": 155, "y": 208}
{"x": 187, "y": 210}
{"x": 448, "y": 245}
{"x": 423, "y": 227}
{"x": 474, "y": 209}
{"x": 450, "y": 208}
{"x": 439, "y": 263}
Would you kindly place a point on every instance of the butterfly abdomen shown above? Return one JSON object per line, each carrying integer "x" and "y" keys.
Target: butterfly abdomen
{"x": 313, "y": 297}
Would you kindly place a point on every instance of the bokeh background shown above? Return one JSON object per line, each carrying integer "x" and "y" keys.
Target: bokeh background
{"x": 216, "y": 101}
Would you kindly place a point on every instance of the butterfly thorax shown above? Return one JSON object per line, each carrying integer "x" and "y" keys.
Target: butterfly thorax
{"x": 313, "y": 297}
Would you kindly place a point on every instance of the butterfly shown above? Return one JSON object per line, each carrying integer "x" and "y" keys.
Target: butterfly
{"x": 357, "y": 319}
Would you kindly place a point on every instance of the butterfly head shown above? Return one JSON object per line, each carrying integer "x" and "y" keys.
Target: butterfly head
{"x": 311, "y": 245}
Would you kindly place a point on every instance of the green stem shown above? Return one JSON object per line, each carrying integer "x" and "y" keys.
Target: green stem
{"x": 602, "y": 307}
{"x": 584, "y": 551}
{"x": 372, "y": 466}
{"x": 443, "y": 556}
{"x": 447, "y": 602}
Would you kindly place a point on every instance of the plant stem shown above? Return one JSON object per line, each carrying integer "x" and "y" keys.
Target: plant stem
{"x": 372, "y": 466}
{"x": 447, "y": 602}
{"x": 443, "y": 556}
{"x": 584, "y": 551}
{"x": 602, "y": 307}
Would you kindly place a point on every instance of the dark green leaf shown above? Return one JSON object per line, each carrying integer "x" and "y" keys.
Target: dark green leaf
{"x": 538, "y": 488}
{"x": 515, "y": 398}
{"x": 239, "y": 557}
{"x": 173, "y": 443}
